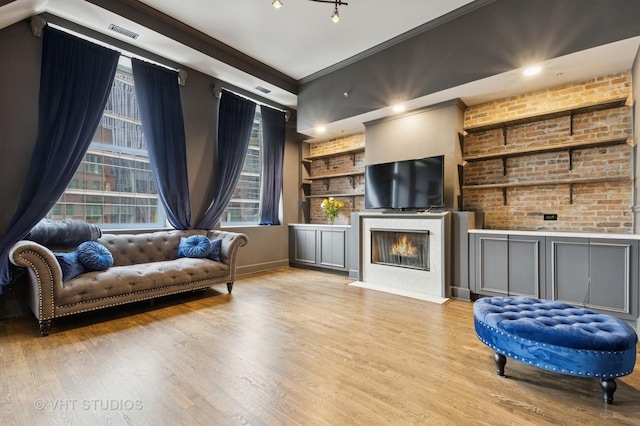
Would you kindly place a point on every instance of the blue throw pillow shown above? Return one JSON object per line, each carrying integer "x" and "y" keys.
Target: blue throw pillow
{"x": 70, "y": 265}
{"x": 194, "y": 246}
{"x": 94, "y": 256}
{"x": 216, "y": 247}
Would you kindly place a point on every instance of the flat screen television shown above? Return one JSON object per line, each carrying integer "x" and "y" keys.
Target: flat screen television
{"x": 405, "y": 185}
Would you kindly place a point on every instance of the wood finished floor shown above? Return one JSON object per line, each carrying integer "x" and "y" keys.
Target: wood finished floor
{"x": 289, "y": 347}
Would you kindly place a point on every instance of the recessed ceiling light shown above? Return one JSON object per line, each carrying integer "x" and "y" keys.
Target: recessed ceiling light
{"x": 398, "y": 108}
{"x": 532, "y": 70}
{"x": 321, "y": 129}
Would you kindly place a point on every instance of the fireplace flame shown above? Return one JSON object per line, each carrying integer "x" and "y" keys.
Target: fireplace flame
{"x": 404, "y": 247}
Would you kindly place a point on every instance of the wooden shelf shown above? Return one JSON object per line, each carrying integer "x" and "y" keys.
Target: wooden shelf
{"x": 570, "y": 182}
{"x": 334, "y": 154}
{"x": 597, "y": 106}
{"x": 357, "y": 194}
{"x": 335, "y": 175}
{"x": 554, "y": 148}
{"x": 546, "y": 182}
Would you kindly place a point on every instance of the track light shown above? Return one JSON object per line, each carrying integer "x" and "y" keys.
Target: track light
{"x": 335, "y": 16}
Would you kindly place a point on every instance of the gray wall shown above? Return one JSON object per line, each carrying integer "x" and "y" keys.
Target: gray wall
{"x": 19, "y": 85}
{"x": 497, "y": 37}
{"x": 420, "y": 133}
{"x": 20, "y": 82}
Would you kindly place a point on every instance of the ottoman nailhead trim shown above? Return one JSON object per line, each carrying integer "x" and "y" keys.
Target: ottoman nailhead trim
{"x": 558, "y": 348}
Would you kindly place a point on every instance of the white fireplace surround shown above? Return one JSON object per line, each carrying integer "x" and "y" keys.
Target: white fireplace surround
{"x": 425, "y": 285}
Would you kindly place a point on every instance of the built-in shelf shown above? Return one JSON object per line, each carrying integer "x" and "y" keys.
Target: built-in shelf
{"x": 542, "y": 149}
{"x": 351, "y": 197}
{"x": 334, "y": 154}
{"x": 546, "y": 182}
{"x": 590, "y": 107}
{"x": 358, "y": 194}
{"x": 570, "y": 182}
{"x": 327, "y": 177}
{"x": 335, "y": 175}
{"x": 570, "y": 147}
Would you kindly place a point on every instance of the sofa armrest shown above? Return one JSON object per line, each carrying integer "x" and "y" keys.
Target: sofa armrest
{"x": 45, "y": 275}
{"x": 231, "y": 242}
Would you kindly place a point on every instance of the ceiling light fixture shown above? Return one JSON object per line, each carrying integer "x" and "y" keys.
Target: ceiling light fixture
{"x": 335, "y": 16}
{"x": 532, "y": 70}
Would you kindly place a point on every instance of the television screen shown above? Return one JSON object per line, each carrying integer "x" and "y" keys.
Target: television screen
{"x": 405, "y": 185}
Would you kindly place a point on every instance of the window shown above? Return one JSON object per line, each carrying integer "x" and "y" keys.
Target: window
{"x": 114, "y": 185}
{"x": 244, "y": 206}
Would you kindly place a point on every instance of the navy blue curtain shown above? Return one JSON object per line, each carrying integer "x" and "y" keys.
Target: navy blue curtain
{"x": 235, "y": 121}
{"x": 158, "y": 96}
{"x": 273, "y": 135}
{"x": 75, "y": 82}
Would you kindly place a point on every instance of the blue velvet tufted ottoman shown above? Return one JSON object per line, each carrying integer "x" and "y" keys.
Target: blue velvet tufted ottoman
{"x": 558, "y": 337}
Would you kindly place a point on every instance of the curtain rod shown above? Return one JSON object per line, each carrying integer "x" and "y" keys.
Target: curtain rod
{"x": 38, "y": 23}
{"x": 217, "y": 89}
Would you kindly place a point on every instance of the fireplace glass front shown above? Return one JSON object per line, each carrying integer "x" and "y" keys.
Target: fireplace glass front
{"x": 401, "y": 248}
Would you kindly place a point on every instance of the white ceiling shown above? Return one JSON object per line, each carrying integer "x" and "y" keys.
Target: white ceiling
{"x": 299, "y": 40}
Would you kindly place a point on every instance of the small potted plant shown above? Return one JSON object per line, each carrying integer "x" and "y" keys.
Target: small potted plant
{"x": 331, "y": 207}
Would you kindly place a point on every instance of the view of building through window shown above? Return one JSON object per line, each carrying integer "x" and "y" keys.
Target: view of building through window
{"x": 244, "y": 207}
{"x": 114, "y": 185}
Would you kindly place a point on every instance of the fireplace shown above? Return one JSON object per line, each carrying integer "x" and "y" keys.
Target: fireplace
{"x": 401, "y": 248}
{"x": 417, "y": 267}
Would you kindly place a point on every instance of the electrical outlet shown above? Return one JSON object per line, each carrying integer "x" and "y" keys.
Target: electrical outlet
{"x": 550, "y": 216}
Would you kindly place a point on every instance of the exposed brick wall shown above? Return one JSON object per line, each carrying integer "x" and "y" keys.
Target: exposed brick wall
{"x": 340, "y": 185}
{"x": 613, "y": 86}
{"x": 596, "y": 207}
{"x": 337, "y": 145}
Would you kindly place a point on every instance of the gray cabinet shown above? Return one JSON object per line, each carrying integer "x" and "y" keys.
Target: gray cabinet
{"x": 322, "y": 246}
{"x": 510, "y": 265}
{"x": 304, "y": 247}
{"x": 333, "y": 247}
{"x": 596, "y": 271}
{"x": 600, "y": 273}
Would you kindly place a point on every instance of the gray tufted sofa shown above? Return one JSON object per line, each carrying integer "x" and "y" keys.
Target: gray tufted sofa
{"x": 145, "y": 267}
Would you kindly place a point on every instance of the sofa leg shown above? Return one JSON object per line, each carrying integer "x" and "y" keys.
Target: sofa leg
{"x": 45, "y": 327}
{"x": 501, "y": 361}
{"x": 608, "y": 388}
{"x": 229, "y": 287}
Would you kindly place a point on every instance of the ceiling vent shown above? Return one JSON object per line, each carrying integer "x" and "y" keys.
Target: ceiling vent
{"x": 263, "y": 89}
{"x": 123, "y": 31}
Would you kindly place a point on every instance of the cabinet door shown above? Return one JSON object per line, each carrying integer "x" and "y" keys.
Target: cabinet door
{"x": 305, "y": 245}
{"x": 595, "y": 273}
{"x": 568, "y": 270}
{"x": 525, "y": 266}
{"x": 509, "y": 265}
{"x": 613, "y": 269}
{"x": 492, "y": 272}
{"x": 333, "y": 247}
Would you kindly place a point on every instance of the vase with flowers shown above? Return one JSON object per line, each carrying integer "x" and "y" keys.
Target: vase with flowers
{"x": 331, "y": 208}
